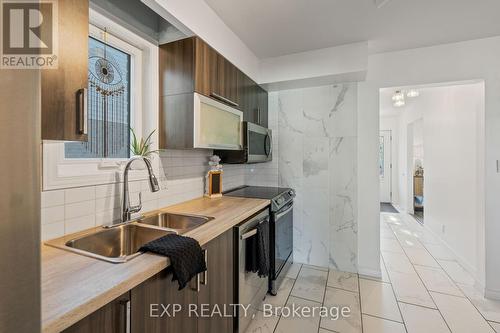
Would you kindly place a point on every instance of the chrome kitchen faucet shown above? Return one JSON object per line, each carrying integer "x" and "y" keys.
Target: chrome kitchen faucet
{"x": 128, "y": 210}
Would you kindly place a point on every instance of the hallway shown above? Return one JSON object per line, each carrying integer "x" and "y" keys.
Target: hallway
{"x": 422, "y": 290}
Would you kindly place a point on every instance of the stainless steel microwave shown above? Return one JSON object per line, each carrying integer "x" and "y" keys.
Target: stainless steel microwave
{"x": 257, "y": 146}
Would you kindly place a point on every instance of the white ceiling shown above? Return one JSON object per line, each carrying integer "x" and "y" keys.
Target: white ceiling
{"x": 277, "y": 27}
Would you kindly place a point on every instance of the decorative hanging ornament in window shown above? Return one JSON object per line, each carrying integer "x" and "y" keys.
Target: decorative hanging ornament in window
{"x": 108, "y": 100}
{"x": 108, "y": 103}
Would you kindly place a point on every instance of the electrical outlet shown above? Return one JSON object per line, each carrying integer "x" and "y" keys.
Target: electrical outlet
{"x": 443, "y": 229}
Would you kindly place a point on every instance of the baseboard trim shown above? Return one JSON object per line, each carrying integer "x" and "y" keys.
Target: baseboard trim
{"x": 492, "y": 294}
{"x": 370, "y": 272}
{"x": 464, "y": 263}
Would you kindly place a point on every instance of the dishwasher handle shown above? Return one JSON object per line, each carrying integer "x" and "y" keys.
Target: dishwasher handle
{"x": 249, "y": 234}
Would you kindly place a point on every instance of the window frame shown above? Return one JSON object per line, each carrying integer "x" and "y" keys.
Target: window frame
{"x": 60, "y": 172}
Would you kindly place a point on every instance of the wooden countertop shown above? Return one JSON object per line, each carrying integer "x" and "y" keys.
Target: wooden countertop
{"x": 74, "y": 286}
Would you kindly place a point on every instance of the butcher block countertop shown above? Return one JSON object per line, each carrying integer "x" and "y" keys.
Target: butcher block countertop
{"x": 74, "y": 286}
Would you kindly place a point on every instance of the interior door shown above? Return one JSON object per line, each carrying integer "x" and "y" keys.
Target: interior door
{"x": 385, "y": 166}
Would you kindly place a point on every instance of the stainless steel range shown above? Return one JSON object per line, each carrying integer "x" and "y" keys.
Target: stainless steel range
{"x": 280, "y": 227}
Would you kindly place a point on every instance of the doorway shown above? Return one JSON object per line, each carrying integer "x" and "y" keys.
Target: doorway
{"x": 385, "y": 166}
{"x": 438, "y": 161}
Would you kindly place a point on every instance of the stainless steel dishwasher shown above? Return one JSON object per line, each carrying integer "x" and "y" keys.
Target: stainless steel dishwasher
{"x": 250, "y": 288}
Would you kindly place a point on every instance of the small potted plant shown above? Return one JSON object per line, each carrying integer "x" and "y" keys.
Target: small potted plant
{"x": 142, "y": 148}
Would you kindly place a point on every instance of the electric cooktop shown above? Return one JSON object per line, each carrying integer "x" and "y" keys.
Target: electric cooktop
{"x": 279, "y": 196}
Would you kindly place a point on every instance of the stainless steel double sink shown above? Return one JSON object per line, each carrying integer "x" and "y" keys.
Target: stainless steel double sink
{"x": 121, "y": 243}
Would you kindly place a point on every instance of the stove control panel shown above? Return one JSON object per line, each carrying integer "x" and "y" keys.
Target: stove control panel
{"x": 283, "y": 199}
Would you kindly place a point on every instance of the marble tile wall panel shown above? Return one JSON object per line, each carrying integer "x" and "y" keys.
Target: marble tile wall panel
{"x": 316, "y": 135}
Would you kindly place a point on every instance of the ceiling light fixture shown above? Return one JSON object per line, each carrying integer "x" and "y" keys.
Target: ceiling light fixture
{"x": 398, "y": 96}
{"x": 412, "y": 93}
{"x": 400, "y": 103}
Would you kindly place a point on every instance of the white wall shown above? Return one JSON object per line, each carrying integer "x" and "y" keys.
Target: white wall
{"x": 477, "y": 59}
{"x": 346, "y": 63}
{"x": 450, "y": 176}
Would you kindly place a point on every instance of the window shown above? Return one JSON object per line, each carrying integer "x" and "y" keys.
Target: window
{"x": 108, "y": 104}
{"x": 101, "y": 160}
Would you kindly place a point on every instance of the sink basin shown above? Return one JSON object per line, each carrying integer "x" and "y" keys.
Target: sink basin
{"x": 180, "y": 223}
{"x": 116, "y": 244}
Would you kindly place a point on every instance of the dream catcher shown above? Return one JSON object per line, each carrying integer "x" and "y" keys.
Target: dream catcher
{"x": 107, "y": 100}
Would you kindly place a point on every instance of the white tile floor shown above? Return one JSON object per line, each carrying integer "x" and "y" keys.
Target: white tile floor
{"x": 422, "y": 290}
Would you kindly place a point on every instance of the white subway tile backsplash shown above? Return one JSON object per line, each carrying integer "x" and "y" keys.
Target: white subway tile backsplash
{"x": 148, "y": 206}
{"x": 107, "y": 203}
{"x": 52, "y": 230}
{"x": 149, "y": 196}
{"x": 79, "y": 194}
{"x": 134, "y": 187}
{"x": 107, "y": 190}
{"x": 79, "y": 224}
{"x": 52, "y": 214}
{"x": 79, "y": 209}
{"x": 166, "y": 201}
{"x": 107, "y": 217}
{"x": 52, "y": 198}
{"x": 182, "y": 177}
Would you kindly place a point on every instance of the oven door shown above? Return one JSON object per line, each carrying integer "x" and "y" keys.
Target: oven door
{"x": 259, "y": 143}
{"x": 283, "y": 237}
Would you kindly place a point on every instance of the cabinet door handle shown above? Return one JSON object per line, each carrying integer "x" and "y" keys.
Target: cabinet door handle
{"x": 204, "y": 281}
{"x": 126, "y": 304}
{"x": 248, "y": 234}
{"x": 224, "y": 99}
{"x": 82, "y": 110}
{"x": 197, "y": 283}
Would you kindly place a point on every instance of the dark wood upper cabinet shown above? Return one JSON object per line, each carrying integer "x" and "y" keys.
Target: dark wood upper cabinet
{"x": 191, "y": 65}
{"x": 247, "y": 97}
{"x": 227, "y": 82}
{"x": 253, "y": 100}
{"x": 111, "y": 318}
{"x": 63, "y": 109}
{"x": 262, "y": 107}
{"x": 206, "y": 68}
{"x": 176, "y": 62}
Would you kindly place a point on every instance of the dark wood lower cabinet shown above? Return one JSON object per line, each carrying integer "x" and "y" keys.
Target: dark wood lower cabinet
{"x": 154, "y": 301}
{"x": 111, "y": 318}
{"x": 151, "y": 305}
{"x": 217, "y": 286}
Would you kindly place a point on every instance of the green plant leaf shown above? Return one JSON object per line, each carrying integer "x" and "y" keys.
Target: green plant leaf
{"x": 142, "y": 147}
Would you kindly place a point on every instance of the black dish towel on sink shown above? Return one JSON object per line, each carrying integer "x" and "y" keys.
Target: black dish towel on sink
{"x": 257, "y": 251}
{"x": 185, "y": 253}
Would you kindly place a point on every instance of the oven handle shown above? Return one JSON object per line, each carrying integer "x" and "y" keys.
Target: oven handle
{"x": 283, "y": 213}
{"x": 252, "y": 232}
